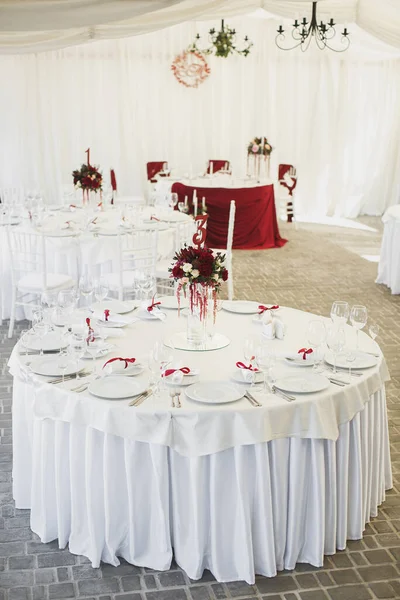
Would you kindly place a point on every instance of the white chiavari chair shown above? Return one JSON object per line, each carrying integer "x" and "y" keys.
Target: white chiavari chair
{"x": 228, "y": 250}
{"x": 29, "y": 275}
{"x": 285, "y": 198}
{"x": 137, "y": 257}
{"x": 183, "y": 234}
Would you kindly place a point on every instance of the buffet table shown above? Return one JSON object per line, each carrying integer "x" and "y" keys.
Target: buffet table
{"x": 256, "y": 226}
{"x": 389, "y": 262}
{"x": 236, "y": 489}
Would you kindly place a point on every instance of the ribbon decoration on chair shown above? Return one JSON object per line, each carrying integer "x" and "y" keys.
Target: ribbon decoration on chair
{"x": 282, "y": 171}
{"x": 106, "y": 314}
{"x": 90, "y": 337}
{"x": 168, "y": 372}
{"x": 305, "y": 351}
{"x": 241, "y": 365}
{"x": 262, "y": 308}
{"x": 200, "y": 236}
{"x": 153, "y": 304}
{"x": 127, "y": 361}
{"x": 113, "y": 184}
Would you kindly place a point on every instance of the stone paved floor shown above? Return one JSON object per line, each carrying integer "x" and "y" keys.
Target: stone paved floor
{"x": 319, "y": 265}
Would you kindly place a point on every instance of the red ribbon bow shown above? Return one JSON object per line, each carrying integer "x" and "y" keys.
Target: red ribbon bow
{"x": 127, "y": 361}
{"x": 72, "y": 205}
{"x": 262, "y": 308}
{"x": 241, "y": 365}
{"x": 90, "y": 337}
{"x": 305, "y": 351}
{"x": 168, "y": 372}
{"x": 153, "y": 218}
{"x": 152, "y": 305}
{"x": 106, "y": 314}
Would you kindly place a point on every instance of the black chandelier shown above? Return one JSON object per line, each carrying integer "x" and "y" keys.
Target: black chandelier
{"x": 223, "y": 43}
{"x": 303, "y": 32}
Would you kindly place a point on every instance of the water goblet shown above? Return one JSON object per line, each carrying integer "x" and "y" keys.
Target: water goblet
{"x": 40, "y": 327}
{"x": 340, "y": 312}
{"x": 77, "y": 344}
{"x": 86, "y": 286}
{"x": 336, "y": 340}
{"x": 265, "y": 360}
{"x": 101, "y": 289}
{"x": 63, "y": 362}
{"x": 350, "y": 358}
{"x": 358, "y": 319}
{"x": 163, "y": 357}
{"x": 316, "y": 336}
{"x": 249, "y": 351}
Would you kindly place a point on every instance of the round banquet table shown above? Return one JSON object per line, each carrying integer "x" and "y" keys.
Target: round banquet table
{"x": 256, "y": 225}
{"x": 73, "y": 250}
{"x": 231, "y": 488}
{"x": 389, "y": 261}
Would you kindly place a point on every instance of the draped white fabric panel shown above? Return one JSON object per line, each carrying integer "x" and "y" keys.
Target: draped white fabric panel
{"x": 334, "y": 116}
{"x": 34, "y": 25}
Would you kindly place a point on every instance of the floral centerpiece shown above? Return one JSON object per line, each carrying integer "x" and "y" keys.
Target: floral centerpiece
{"x": 199, "y": 274}
{"x": 88, "y": 178}
{"x": 259, "y": 146}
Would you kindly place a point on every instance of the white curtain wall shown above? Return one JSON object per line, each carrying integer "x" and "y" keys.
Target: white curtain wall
{"x": 336, "y": 117}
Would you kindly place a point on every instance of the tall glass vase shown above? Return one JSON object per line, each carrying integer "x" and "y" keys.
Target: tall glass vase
{"x": 85, "y": 199}
{"x": 197, "y": 315}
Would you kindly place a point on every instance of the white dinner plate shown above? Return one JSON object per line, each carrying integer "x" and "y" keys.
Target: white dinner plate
{"x": 214, "y": 392}
{"x": 50, "y": 342}
{"x": 299, "y": 362}
{"x": 239, "y": 375}
{"x": 118, "y": 306}
{"x": 242, "y": 307}
{"x": 302, "y": 384}
{"x": 171, "y": 302}
{"x": 116, "y": 387}
{"x": 49, "y": 367}
{"x": 362, "y": 360}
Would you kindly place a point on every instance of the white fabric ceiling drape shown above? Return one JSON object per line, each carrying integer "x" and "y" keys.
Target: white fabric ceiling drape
{"x": 334, "y": 116}
{"x": 38, "y": 25}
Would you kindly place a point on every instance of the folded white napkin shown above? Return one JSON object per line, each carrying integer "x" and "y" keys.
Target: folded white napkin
{"x": 156, "y": 312}
{"x": 273, "y": 327}
{"x": 112, "y": 317}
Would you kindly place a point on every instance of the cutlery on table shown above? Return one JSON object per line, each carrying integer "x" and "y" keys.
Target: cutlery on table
{"x": 343, "y": 370}
{"x": 139, "y": 399}
{"x": 337, "y": 382}
{"x": 69, "y": 377}
{"x": 287, "y": 397}
{"x": 178, "y": 400}
{"x": 252, "y": 400}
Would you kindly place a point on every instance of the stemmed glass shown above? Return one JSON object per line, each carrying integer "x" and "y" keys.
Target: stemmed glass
{"x": 249, "y": 353}
{"x": 77, "y": 345}
{"x": 265, "y": 360}
{"x": 63, "y": 362}
{"x": 358, "y": 319}
{"x": 336, "y": 340}
{"x": 340, "y": 312}
{"x": 26, "y": 339}
{"x": 66, "y": 300}
{"x": 145, "y": 284}
{"x": 173, "y": 200}
{"x": 94, "y": 343}
{"x": 163, "y": 357}
{"x": 101, "y": 289}
{"x": 183, "y": 208}
{"x": 316, "y": 336}
{"x": 40, "y": 327}
{"x": 86, "y": 286}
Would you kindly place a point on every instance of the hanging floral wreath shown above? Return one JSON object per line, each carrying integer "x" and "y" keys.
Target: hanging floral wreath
{"x": 190, "y": 68}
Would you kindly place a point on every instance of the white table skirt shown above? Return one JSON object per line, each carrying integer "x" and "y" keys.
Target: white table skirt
{"x": 389, "y": 262}
{"x": 251, "y": 509}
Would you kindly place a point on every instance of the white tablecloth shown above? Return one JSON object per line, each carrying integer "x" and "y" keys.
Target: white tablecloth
{"x": 231, "y": 488}
{"x": 389, "y": 262}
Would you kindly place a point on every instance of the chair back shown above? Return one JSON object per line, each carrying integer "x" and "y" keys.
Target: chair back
{"x": 229, "y": 244}
{"x": 184, "y": 232}
{"x": 218, "y": 165}
{"x": 153, "y": 168}
{"x": 27, "y": 254}
{"x": 137, "y": 253}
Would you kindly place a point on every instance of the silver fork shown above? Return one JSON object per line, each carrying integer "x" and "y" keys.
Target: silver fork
{"x": 172, "y": 395}
{"x": 178, "y": 400}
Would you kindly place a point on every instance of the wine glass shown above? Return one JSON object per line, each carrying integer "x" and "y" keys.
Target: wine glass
{"x": 86, "y": 286}
{"x": 101, "y": 289}
{"x": 265, "y": 360}
{"x": 316, "y": 336}
{"x": 94, "y": 343}
{"x": 162, "y": 355}
{"x": 40, "y": 327}
{"x": 249, "y": 352}
{"x": 146, "y": 284}
{"x": 358, "y": 319}
{"x": 340, "y": 312}
{"x": 183, "y": 208}
{"x": 77, "y": 344}
{"x": 63, "y": 362}
{"x": 173, "y": 200}
{"x": 336, "y": 340}
{"x": 26, "y": 339}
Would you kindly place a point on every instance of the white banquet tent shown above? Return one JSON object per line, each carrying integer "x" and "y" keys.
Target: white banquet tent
{"x": 98, "y": 74}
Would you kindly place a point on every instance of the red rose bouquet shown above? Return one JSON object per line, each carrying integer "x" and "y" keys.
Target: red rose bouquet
{"x": 197, "y": 270}
{"x": 88, "y": 177}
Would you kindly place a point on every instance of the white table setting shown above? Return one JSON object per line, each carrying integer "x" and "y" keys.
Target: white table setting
{"x": 243, "y": 459}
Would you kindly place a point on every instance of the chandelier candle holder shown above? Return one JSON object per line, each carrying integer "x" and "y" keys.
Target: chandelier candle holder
{"x": 303, "y": 32}
{"x": 223, "y": 43}
{"x": 199, "y": 274}
{"x": 258, "y": 158}
{"x": 89, "y": 179}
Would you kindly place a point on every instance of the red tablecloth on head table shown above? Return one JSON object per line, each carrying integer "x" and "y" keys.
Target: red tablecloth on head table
{"x": 256, "y": 226}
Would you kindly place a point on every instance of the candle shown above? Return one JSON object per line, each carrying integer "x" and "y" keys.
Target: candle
{"x": 186, "y": 200}
{"x": 203, "y": 203}
{"x": 211, "y": 167}
{"x": 226, "y": 166}
{"x": 194, "y": 205}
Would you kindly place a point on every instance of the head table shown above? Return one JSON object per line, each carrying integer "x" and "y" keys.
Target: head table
{"x": 236, "y": 489}
{"x": 256, "y": 225}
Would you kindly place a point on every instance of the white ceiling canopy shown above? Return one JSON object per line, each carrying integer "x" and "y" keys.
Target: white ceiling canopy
{"x": 39, "y": 25}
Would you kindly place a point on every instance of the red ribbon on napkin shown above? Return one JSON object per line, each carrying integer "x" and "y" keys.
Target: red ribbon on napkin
{"x": 152, "y": 305}
{"x": 167, "y": 372}
{"x": 72, "y": 205}
{"x": 90, "y": 337}
{"x": 305, "y": 351}
{"x": 262, "y": 308}
{"x": 106, "y": 314}
{"x": 93, "y": 221}
{"x": 241, "y": 365}
{"x": 153, "y": 218}
{"x": 127, "y": 361}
